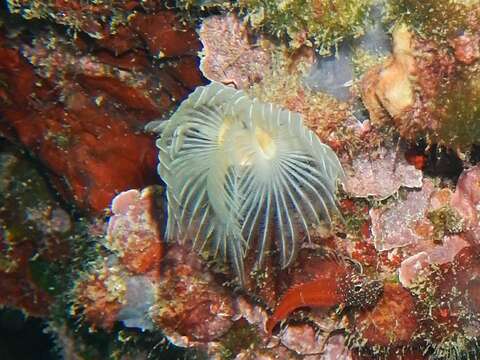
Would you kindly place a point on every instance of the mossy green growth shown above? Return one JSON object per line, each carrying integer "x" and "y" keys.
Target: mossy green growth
{"x": 30, "y": 214}
{"x": 354, "y": 213}
{"x": 458, "y": 109}
{"x": 26, "y": 200}
{"x": 456, "y": 346}
{"x": 438, "y": 19}
{"x": 364, "y": 60}
{"x": 202, "y": 4}
{"x": 445, "y": 221}
{"x": 49, "y": 276}
{"x": 322, "y": 23}
{"x": 117, "y": 344}
{"x": 240, "y": 337}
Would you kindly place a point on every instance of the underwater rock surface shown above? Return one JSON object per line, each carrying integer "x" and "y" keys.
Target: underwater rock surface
{"x": 97, "y": 243}
{"x": 362, "y": 179}
{"x": 228, "y": 55}
{"x": 93, "y": 105}
{"x": 34, "y": 236}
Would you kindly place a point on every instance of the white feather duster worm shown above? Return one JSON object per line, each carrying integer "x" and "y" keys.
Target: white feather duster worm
{"x": 240, "y": 172}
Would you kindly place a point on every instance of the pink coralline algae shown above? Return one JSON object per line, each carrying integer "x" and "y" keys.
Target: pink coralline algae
{"x": 140, "y": 286}
{"x": 190, "y": 305}
{"x": 403, "y": 223}
{"x": 303, "y": 339}
{"x": 412, "y": 266}
{"x": 466, "y": 200}
{"x": 132, "y": 232}
{"x": 432, "y": 225}
{"x": 381, "y": 175}
{"x": 336, "y": 349}
{"x": 296, "y": 340}
{"x": 229, "y": 56}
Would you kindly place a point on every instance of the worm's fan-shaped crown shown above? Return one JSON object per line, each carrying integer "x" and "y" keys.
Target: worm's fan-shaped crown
{"x": 240, "y": 172}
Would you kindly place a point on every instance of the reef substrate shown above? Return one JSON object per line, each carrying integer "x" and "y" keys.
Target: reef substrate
{"x": 391, "y": 88}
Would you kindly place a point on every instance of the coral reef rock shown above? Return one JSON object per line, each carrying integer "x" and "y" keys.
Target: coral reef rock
{"x": 381, "y": 175}
{"x": 228, "y": 55}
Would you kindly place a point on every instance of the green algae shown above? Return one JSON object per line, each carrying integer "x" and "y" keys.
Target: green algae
{"x": 449, "y": 338}
{"x": 239, "y": 338}
{"x": 49, "y": 276}
{"x": 456, "y": 108}
{"x": 36, "y": 231}
{"x": 456, "y": 346}
{"x": 203, "y": 4}
{"x": 364, "y": 60}
{"x": 445, "y": 221}
{"x": 459, "y": 110}
{"x": 355, "y": 220}
{"x": 28, "y": 203}
{"x": 437, "y": 19}
{"x": 322, "y": 22}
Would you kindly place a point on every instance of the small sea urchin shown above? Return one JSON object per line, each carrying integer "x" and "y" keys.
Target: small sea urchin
{"x": 240, "y": 172}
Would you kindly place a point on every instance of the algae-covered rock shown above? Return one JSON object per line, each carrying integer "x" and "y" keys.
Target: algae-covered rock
{"x": 322, "y": 23}
{"x": 34, "y": 233}
{"x": 439, "y": 19}
{"x": 459, "y": 110}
